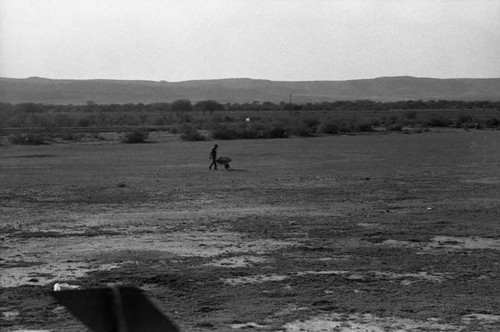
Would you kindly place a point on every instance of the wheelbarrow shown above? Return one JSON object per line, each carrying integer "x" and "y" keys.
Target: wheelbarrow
{"x": 224, "y": 161}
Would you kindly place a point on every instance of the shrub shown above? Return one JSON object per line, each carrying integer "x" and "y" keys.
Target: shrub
{"x": 345, "y": 126}
{"x": 438, "y": 121}
{"x": 363, "y": 126}
{"x": 411, "y": 115}
{"x": 69, "y": 136}
{"x": 216, "y": 119}
{"x": 96, "y": 135}
{"x": 84, "y": 122}
{"x": 393, "y": 119}
{"x": 224, "y": 133}
{"x": 135, "y": 137}
{"x": 330, "y": 128}
{"x": 185, "y": 118}
{"x": 174, "y": 129}
{"x": 189, "y": 133}
{"x": 276, "y": 132}
{"x": 27, "y": 139}
{"x": 303, "y": 131}
{"x": 395, "y": 127}
{"x": 375, "y": 123}
{"x": 125, "y": 120}
{"x": 492, "y": 122}
{"x": 249, "y": 133}
{"x": 311, "y": 122}
{"x": 467, "y": 122}
{"x": 463, "y": 118}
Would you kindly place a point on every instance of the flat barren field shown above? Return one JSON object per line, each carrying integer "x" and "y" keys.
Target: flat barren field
{"x": 341, "y": 233}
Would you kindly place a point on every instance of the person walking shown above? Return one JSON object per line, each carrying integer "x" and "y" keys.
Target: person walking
{"x": 213, "y": 157}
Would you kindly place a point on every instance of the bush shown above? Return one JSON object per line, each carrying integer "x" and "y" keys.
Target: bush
{"x": 189, "y": 133}
{"x": 84, "y": 122}
{"x": 303, "y": 131}
{"x": 492, "y": 122}
{"x": 225, "y": 133}
{"x": 411, "y": 115}
{"x": 345, "y": 126}
{"x": 69, "y": 136}
{"x": 395, "y": 127}
{"x": 276, "y": 132}
{"x": 63, "y": 120}
{"x": 216, "y": 119}
{"x": 438, "y": 121}
{"x": 135, "y": 137}
{"x": 363, "y": 126}
{"x": 249, "y": 133}
{"x": 185, "y": 118}
{"x": 330, "y": 128}
{"x": 311, "y": 122}
{"x": 393, "y": 119}
{"x": 125, "y": 120}
{"x": 375, "y": 123}
{"x": 468, "y": 122}
{"x": 27, "y": 139}
{"x": 463, "y": 118}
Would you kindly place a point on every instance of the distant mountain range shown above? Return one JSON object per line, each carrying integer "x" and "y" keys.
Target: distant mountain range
{"x": 54, "y": 91}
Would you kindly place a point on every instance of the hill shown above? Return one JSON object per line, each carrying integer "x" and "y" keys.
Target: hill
{"x": 54, "y": 91}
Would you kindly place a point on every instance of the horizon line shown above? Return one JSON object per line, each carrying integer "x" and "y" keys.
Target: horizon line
{"x": 242, "y": 78}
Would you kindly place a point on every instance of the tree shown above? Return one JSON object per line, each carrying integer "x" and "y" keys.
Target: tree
{"x": 29, "y": 108}
{"x": 208, "y": 106}
{"x": 181, "y": 106}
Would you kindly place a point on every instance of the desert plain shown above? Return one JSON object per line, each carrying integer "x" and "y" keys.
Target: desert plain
{"x": 368, "y": 232}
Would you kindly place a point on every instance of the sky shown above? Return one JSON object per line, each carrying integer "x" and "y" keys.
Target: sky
{"x": 285, "y": 40}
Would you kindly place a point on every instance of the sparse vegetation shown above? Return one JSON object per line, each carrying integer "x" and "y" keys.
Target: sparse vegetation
{"x": 225, "y": 132}
{"x": 189, "y": 133}
{"x": 411, "y": 115}
{"x": 135, "y": 137}
{"x": 242, "y": 121}
{"x": 69, "y": 136}
{"x": 330, "y": 128}
{"x": 492, "y": 123}
{"x": 27, "y": 139}
{"x": 438, "y": 121}
{"x": 276, "y": 132}
{"x": 395, "y": 127}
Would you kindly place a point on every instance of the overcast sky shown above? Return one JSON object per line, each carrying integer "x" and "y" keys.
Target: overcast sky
{"x": 176, "y": 40}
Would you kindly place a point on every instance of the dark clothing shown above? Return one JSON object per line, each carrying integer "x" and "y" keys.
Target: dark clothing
{"x": 213, "y": 156}
{"x": 213, "y": 153}
{"x": 214, "y": 164}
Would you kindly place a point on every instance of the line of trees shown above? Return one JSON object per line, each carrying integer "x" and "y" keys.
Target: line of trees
{"x": 210, "y": 106}
{"x": 29, "y": 123}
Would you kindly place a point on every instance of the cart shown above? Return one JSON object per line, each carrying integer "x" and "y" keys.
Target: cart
{"x": 224, "y": 161}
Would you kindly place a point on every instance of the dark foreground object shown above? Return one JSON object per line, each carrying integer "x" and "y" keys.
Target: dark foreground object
{"x": 224, "y": 161}
{"x": 118, "y": 309}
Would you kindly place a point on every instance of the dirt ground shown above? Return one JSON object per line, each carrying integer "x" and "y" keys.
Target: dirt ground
{"x": 346, "y": 233}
